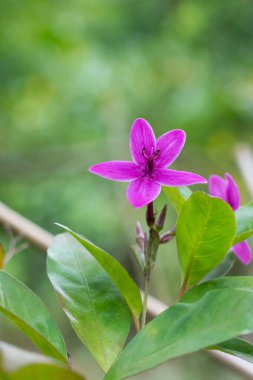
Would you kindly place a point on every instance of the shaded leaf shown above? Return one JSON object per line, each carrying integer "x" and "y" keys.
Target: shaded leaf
{"x": 244, "y": 222}
{"x": 177, "y": 196}
{"x": 26, "y": 310}
{"x": 116, "y": 271}
{"x": 205, "y": 233}
{"x": 222, "y": 269}
{"x": 90, "y": 299}
{"x": 208, "y": 314}
{"x": 236, "y": 347}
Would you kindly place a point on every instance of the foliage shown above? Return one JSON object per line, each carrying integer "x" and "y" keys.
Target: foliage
{"x": 73, "y": 77}
{"x": 190, "y": 325}
{"x": 28, "y": 312}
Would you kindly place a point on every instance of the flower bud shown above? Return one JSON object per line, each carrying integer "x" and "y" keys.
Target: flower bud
{"x": 139, "y": 236}
{"x": 161, "y": 219}
{"x": 150, "y": 216}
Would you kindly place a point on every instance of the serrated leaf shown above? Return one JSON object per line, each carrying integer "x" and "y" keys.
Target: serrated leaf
{"x": 208, "y": 314}
{"x": 26, "y": 310}
{"x": 205, "y": 233}
{"x": 244, "y": 223}
{"x": 116, "y": 271}
{"x": 90, "y": 299}
{"x": 177, "y": 196}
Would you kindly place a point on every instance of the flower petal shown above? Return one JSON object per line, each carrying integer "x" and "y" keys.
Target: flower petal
{"x": 243, "y": 252}
{"x": 170, "y": 145}
{"x": 233, "y": 194}
{"x": 141, "y": 136}
{"x": 218, "y": 187}
{"x": 168, "y": 177}
{"x": 123, "y": 171}
{"x": 142, "y": 191}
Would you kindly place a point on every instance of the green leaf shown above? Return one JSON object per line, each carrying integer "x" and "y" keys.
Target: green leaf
{"x": 208, "y": 314}
{"x": 116, "y": 271}
{"x": 222, "y": 269}
{"x": 43, "y": 372}
{"x": 90, "y": 299}
{"x": 244, "y": 223}
{"x": 205, "y": 233}
{"x": 236, "y": 347}
{"x": 26, "y": 310}
{"x": 177, "y": 196}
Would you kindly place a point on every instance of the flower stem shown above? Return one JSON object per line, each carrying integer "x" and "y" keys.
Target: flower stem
{"x": 136, "y": 324}
{"x": 145, "y": 302}
{"x": 150, "y": 256}
{"x": 183, "y": 289}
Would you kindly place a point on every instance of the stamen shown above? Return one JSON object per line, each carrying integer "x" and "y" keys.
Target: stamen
{"x": 157, "y": 153}
{"x": 144, "y": 152}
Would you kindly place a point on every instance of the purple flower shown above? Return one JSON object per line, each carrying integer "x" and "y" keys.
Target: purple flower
{"x": 227, "y": 190}
{"x": 147, "y": 172}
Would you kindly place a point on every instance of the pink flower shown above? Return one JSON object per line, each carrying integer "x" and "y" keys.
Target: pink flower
{"x": 227, "y": 190}
{"x": 147, "y": 172}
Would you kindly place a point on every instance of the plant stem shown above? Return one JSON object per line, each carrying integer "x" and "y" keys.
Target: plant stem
{"x": 145, "y": 302}
{"x": 150, "y": 257}
{"x": 183, "y": 289}
{"x": 136, "y": 324}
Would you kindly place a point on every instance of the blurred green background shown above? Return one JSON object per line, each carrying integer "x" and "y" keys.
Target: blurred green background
{"x": 74, "y": 75}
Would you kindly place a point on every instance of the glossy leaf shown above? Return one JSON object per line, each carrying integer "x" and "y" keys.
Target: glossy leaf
{"x": 90, "y": 299}
{"x": 177, "y": 196}
{"x": 116, "y": 271}
{"x": 205, "y": 233}
{"x": 244, "y": 223}
{"x": 208, "y": 314}
{"x": 26, "y": 310}
{"x": 222, "y": 269}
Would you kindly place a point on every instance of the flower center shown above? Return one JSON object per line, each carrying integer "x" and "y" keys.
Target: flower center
{"x": 149, "y": 165}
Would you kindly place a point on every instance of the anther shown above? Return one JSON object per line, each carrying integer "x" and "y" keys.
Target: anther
{"x": 144, "y": 152}
{"x": 157, "y": 153}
